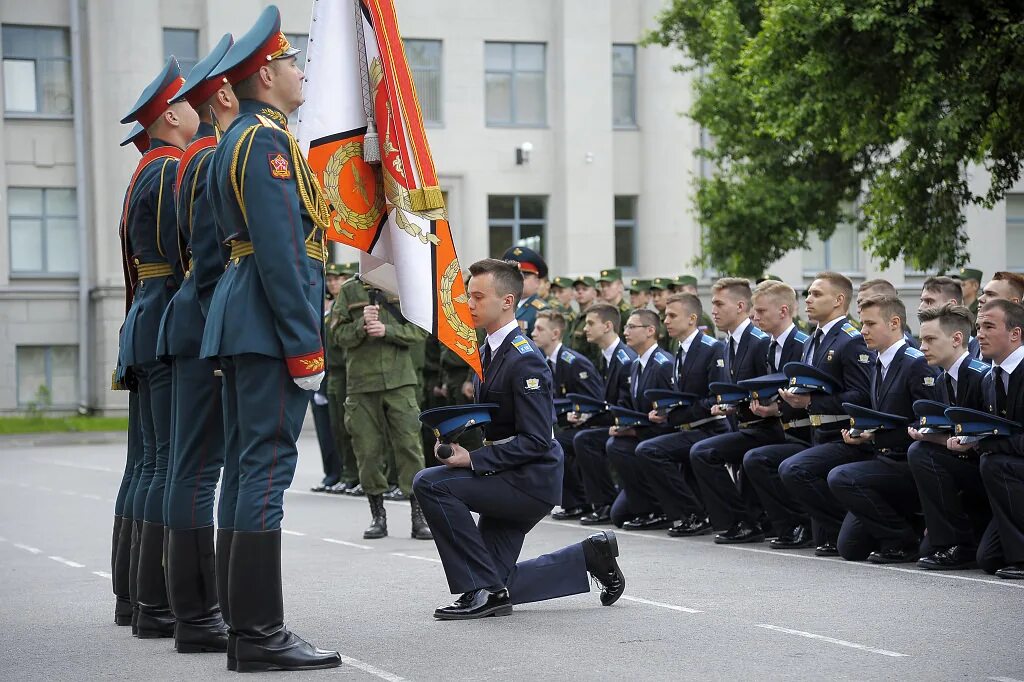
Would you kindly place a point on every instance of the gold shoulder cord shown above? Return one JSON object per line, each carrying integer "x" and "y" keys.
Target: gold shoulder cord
{"x": 236, "y": 184}
{"x": 159, "y": 209}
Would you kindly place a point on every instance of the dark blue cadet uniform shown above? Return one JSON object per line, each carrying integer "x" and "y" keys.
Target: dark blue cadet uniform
{"x": 573, "y": 373}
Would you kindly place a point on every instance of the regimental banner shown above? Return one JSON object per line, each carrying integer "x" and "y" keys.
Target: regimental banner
{"x": 363, "y": 134}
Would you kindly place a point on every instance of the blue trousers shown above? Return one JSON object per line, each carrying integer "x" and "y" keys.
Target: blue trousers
{"x": 805, "y": 476}
{"x": 664, "y": 463}
{"x": 880, "y": 496}
{"x": 573, "y": 493}
{"x": 592, "y": 460}
{"x": 197, "y": 451}
{"x": 124, "y": 502}
{"x": 269, "y": 412}
{"x": 1002, "y": 543}
{"x": 952, "y": 495}
{"x": 155, "y": 410}
{"x": 229, "y": 475}
{"x": 726, "y": 504}
{"x": 485, "y": 554}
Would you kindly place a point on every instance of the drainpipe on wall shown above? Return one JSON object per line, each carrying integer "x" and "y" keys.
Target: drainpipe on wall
{"x": 84, "y": 217}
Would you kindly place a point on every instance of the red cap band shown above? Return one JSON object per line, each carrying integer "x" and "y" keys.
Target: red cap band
{"x": 149, "y": 113}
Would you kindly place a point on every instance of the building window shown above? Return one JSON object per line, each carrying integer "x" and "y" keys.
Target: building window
{"x": 37, "y": 70}
{"x": 1015, "y": 232}
{"x": 838, "y": 253}
{"x": 47, "y": 376}
{"x": 624, "y": 86}
{"x": 183, "y": 44}
{"x": 516, "y": 221}
{"x": 425, "y": 63}
{"x": 625, "y": 232}
{"x": 515, "y": 83}
{"x": 44, "y": 231}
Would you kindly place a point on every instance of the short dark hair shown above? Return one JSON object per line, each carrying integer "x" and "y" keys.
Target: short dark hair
{"x": 890, "y": 306}
{"x": 951, "y": 318}
{"x": 840, "y": 282}
{"x": 507, "y": 277}
{"x": 556, "y": 318}
{"x": 1013, "y": 313}
{"x": 648, "y": 317}
{"x": 605, "y": 312}
{"x": 947, "y": 288}
{"x": 737, "y": 286}
{"x": 1014, "y": 279}
{"x": 883, "y": 286}
{"x": 689, "y": 302}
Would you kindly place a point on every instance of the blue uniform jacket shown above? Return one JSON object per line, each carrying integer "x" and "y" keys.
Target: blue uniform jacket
{"x": 574, "y": 373}
{"x": 1012, "y": 445}
{"x": 658, "y": 374}
{"x": 909, "y": 379}
{"x": 150, "y": 240}
{"x": 844, "y": 356}
{"x": 969, "y": 385}
{"x": 616, "y": 383}
{"x": 792, "y": 351}
{"x": 270, "y": 302}
{"x": 519, "y": 381}
{"x": 181, "y": 331}
{"x": 526, "y": 313}
{"x": 751, "y": 362}
{"x": 703, "y": 364}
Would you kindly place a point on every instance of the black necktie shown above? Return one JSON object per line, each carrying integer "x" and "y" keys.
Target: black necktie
{"x": 878, "y": 382}
{"x": 732, "y": 355}
{"x": 680, "y": 359}
{"x": 602, "y": 366}
{"x": 950, "y": 389}
{"x": 772, "y": 347}
{"x": 551, "y": 366}
{"x": 815, "y": 342}
{"x": 997, "y": 374}
{"x": 487, "y": 357}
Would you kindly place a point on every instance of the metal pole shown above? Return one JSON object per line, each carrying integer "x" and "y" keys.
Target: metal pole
{"x": 84, "y": 217}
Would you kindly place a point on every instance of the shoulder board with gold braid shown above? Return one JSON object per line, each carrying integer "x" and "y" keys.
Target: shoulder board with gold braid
{"x": 130, "y": 273}
{"x": 190, "y": 153}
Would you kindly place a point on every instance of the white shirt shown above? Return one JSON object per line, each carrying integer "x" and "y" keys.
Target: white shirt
{"x": 954, "y": 371}
{"x": 737, "y": 333}
{"x": 495, "y": 340}
{"x": 554, "y": 354}
{"x": 828, "y": 327}
{"x": 887, "y": 355}
{"x": 1009, "y": 365}
{"x": 688, "y": 341}
{"x": 780, "y": 341}
{"x": 647, "y": 356}
{"x": 609, "y": 351}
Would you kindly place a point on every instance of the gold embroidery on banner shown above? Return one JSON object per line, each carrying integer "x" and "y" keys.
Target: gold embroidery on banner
{"x": 463, "y": 330}
{"x": 350, "y": 156}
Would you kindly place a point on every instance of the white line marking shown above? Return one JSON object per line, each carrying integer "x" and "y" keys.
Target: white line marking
{"x": 663, "y": 605}
{"x": 27, "y": 548}
{"x": 418, "y": 558}
{"x": 373, "y": 670}
{"x": 105, "y": 576}
{"x": 90, "y": 496}
{"x": 1005, "y": 679}
{"x": 72, "y": 564}
{"x": 832, "y": 640}
{"x": 347, "y": 544}
{"x": 76, "y": 465}
{"x": 293, "y": 532}
{"x": 860, "y": 564}
{"x": 44, "y": 488}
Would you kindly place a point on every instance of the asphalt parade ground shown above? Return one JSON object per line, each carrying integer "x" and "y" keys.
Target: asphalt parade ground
{"x": 692, "y": 610}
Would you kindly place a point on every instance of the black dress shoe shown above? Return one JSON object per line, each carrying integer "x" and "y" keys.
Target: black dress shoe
{"x": 1011, "y": 572}
{"x": 955, "y": 558}
{"x": 571, "y": 513}
{"x": 600, "y": 550}
{"x": 797, "y": 538}
{"x": 600, "y": 515}
{"x": 827, "y": 549}
{"x": 766, "y": 526}
{"x": 650, "y": 521}
{"x": 690, "y": 527}
{"x": 740, "y": 533}
{"x": 895, "y": 555}
{"x": 476, "y": 604}
{"x": 284, "y": 650}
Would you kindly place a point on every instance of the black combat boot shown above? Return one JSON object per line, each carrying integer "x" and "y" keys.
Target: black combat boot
{"x": 257, "y": 609}
{"x": 420, "y": 529}
{"x": 379, "y": 523}
{"x": 120, "y": 570}
{"x": 224, "y": 538}
{"x": 155, "y": 617}
{"x": 133, "y": 572}
{"x": 192, "y": 590}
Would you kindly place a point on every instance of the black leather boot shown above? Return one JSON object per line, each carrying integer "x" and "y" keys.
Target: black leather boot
{"x": 379, "y": 521}
{"x": 224, "y": 538}
{"x": 192, "y": 590}
{"x": 155, "y": 617}
{"x": 257, "y": 609}
{"x": 120, "y": 570}
{"x": 420, "y": 529}
{"x": 133, "y": 572}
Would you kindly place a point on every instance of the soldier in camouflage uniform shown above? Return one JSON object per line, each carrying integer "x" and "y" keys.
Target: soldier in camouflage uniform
{"x": 585, "y": 289}
{"x": 336, "y": 380}
{"x": 612, "y": 291}
{"x": 687, "y": 284}
{"x": 562, "y": 297}
{"x": 970, "y": 282}
{"x": 381, "y": 396}
{"x": 640, "y": 293}
{"x": 660, "y": 291}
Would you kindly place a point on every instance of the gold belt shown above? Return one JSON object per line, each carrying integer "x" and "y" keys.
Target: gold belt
{"x": 153, "y": 270}
{"x": 241, "y": 249}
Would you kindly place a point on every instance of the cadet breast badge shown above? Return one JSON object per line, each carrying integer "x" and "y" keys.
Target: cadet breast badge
{"x": 721, "y": 363}
{"x": 929, "y": 381}
{"x": 279, "y": 167}
{"x": 863, "y": 359}
{"x": 584, "y": 375}
{"x": 533, "y": 384}
{"x": 828, "y": 356}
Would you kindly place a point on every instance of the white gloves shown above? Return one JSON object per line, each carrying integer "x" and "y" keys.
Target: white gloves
{"x": 319, "y": 399}
{"x": 310, "y": 383}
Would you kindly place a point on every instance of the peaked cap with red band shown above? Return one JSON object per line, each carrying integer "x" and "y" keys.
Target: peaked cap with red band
{"x": 139, "y": 136}
{"x": 153, "y": 100}
{"x": 263, "y": 43}
{"x": 200, "y": 86}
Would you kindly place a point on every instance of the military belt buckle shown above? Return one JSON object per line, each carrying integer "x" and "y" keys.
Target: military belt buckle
{"x": 815, "y": 420}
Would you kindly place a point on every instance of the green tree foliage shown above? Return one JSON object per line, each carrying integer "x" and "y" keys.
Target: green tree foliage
{"x": 816, "y": 106}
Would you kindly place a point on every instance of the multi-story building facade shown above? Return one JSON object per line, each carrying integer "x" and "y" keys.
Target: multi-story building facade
{"x": 550, "y": 126}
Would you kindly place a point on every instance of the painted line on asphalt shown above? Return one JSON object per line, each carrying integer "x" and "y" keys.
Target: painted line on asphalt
{"x": 66, "y": 562}
{"x": 861, "y": 564}
{"x": 832, "y": 640}
{"x": 345, "y": 543}
{"x": 293, "y": 532}
{"x": 371, "y": 669}
{"x": 102, "y": 574}
{"x": 418, "y": 558}
{"x": 660, "y": 604}
{"x": 1005, "y": 679}
{"x": 76, "y": 465}
{"x": 28, "y": 548}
